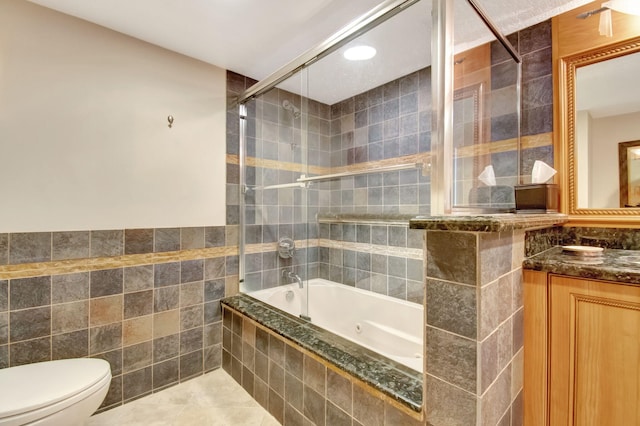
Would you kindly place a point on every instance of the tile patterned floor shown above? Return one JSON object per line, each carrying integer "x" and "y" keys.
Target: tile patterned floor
{"x": 214, "y": 399}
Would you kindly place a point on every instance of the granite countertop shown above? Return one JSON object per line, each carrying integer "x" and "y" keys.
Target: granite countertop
{"x": 395, "y": 380}
{"x": 489, "y": 222}
{"x": 622, "y": 266}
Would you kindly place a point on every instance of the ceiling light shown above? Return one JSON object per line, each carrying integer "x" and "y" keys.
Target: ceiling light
{"x": 359, "y": 53}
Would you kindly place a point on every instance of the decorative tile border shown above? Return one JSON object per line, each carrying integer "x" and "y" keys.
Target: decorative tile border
{"x": 526, "y": 142}
{"x": 384, "y": 250}
{"x": 95, "y": 264}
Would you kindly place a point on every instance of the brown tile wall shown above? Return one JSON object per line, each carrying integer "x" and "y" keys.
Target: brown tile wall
{"x": 296, "y": 387}
{"x": 156, "y": 318}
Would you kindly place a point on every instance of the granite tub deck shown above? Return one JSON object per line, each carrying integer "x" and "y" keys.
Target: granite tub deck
{"x": 622, "y": 266}
{"x": 398, "y": 382}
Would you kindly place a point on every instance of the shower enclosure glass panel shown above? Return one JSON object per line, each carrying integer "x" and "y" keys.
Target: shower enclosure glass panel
{"x": 275, "y": 246}
{"x": 380, "y": 120}
{"x": 370, "y": 118}
{"x": 486, "y": 117}
{"x": 337, "y": 154}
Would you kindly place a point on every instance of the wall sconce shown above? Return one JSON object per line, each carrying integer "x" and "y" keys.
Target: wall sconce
{"x": 630, "y": 7}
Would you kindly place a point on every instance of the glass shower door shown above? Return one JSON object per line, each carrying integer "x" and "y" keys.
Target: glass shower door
{"x": 274, "y": 236}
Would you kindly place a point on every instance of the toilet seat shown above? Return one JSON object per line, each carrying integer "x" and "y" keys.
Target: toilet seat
{"x": 34, "y": 391}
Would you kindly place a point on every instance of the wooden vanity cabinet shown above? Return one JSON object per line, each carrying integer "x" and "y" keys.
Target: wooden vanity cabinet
{"x": 581, "y": 351}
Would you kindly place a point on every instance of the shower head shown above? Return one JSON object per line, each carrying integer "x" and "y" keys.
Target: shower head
{"x": 291, "y": 107}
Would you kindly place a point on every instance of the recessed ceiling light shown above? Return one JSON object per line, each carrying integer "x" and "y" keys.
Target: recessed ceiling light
{"x": 359, "y": 53}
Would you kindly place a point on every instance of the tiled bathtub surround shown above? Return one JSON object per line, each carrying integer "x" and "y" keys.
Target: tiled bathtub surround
{"x": 154, "y": 313}
{"x": 385, "y": 259}
{"x": 388, "y": 123}
{"x": 475, "y": 354}
{"x": 299, "y": 387}
{"x": 474, "y": 327}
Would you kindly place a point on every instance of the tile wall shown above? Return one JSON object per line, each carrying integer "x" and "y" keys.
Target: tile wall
{"x": 536, "y": 127}
{"x": 474, "y": 335}
{"x": 386, "y": 259}
{"x": 337, "y": 138}
{"x": 297, "y": 387}
{"x": 274, "y": 155}
{"x": 390, "y": 123}
{"x": 146, "y": 300}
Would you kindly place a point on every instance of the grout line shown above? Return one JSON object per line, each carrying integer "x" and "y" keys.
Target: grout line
{"x": 451, "y": 384}
{"x": 471, "y": 339}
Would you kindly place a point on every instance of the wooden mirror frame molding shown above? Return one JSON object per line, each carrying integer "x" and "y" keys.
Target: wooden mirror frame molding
{"x": 584, "y": 48}
{"x": 570, "y": 66}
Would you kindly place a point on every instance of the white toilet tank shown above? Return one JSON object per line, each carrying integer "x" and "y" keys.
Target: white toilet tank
{"x": 64, "y": 392}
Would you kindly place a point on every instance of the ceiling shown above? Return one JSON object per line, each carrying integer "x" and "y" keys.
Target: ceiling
{"x": 257, "y": 37}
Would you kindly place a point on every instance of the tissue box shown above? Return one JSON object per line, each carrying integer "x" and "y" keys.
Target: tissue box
{"x": 537, "y": 198}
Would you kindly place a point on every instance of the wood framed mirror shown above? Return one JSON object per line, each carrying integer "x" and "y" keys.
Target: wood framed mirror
{"x": 597, "y": 107}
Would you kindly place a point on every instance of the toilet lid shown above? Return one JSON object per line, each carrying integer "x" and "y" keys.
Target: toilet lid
{"x": 32, "y": 386}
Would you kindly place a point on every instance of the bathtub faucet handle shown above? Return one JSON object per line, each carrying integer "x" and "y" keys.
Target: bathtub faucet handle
{"x": 286, "y": 247}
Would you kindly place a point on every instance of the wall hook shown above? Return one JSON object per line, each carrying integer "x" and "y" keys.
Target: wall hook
{"x": 170, "y": 120}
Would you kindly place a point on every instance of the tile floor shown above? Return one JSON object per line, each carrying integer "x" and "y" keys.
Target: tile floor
{"x": 214, "y": 399}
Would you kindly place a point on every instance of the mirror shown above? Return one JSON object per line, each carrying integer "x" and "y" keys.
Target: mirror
{"x": 629, "y": 167}
{"x": 602, "y": 111}
{"x": 467, "y": 113}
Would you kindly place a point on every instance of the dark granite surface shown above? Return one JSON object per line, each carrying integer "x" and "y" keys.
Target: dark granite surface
{"x": 613, "y": 238}
{"x": 614, "y": 265}
{"x": 537, "y": 241}
{"x": 487, "y": 223}
{"x": 396, "y": 380}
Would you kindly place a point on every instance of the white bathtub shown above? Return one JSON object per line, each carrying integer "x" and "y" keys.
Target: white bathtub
{"x": 386, "y": 325}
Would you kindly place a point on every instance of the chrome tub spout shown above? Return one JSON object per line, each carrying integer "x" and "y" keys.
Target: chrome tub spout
{"x": 293, "y": 276}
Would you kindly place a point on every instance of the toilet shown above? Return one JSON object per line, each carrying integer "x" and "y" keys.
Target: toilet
{"x": 64, "y": 392}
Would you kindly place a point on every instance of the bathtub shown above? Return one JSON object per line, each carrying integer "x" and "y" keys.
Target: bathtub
{"x": 389, "y": 326}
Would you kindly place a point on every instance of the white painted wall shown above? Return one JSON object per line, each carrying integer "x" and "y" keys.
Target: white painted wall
{"x": 606, "y": 134}
{"x": 84, "y": 142}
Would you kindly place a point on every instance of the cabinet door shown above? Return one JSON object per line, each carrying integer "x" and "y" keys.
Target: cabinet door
{"x": 595, "y": 353}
